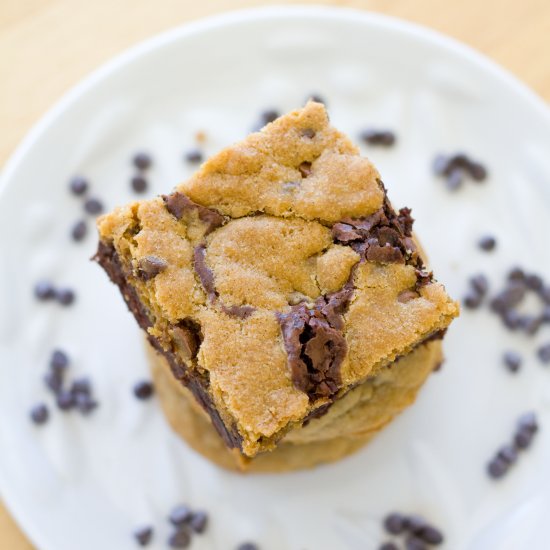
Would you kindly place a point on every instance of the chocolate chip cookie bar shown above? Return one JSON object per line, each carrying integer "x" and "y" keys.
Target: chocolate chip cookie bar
{"x": 276, "y": 279}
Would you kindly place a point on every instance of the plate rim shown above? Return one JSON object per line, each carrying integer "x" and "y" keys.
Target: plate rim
{"x": 131, "y": 54}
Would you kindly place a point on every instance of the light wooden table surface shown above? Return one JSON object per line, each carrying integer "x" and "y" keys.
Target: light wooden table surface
{"x": 46, "y": 46}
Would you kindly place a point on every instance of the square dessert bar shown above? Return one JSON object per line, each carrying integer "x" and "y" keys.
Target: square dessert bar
{"x": 276, "y": 279}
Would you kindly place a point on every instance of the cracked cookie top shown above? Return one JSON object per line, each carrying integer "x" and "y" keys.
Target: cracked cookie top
{"x": 276, "y": 278}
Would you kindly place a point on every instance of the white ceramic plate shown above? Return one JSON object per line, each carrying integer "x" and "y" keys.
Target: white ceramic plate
{"x": 86, "y": 483}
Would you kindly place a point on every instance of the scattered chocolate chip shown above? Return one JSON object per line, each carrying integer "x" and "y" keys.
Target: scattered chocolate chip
{"x": 79, "y": 230}
{"x": 143, "y": 389}
{"x": 477, "y": 171}
{"x": 516, "y": 274}
{"x": 65, "y": 296}
{"x": 455, "y": 167}
{"x": 84, "y": 403}
{"x": 142, "y": 161}
{"x": 93, "y": 206}
{"x": 528, "y": 422}
{"x": 179, "y": 539}
{"x": 522, "y": 439}
{"x": 373, "y": 136}
{"x": 317, "y": 98}
{"x": 534, "y": 282}
{"x": 305, "y": 169}
{"x": 480, "y": 284}
{"x": 78, "y": 185}
{"x": 472, "y": 300}
{"x": 308, "y": 133}
{"x": 81, "y": 386}
{"x": 65, "y": 400}
{"x": 53, "y": 381}
{"x": 414, "y": 543}
{"x": 199, "y": 521}
{"x": 455, "y": 179}
{"x": 269, "y": 116}
{"x": 508, "y": 454}
{"x": 543, "y": 353}
{"x": 395, "y": 523}
{"x": 139, "y": 184}
{"x": 487, "y": 243}
{"x": 415, "y": 523}
{"x": 431, "y": 535}
{"x": 143, "y": 535}
{"x": 388, "y": 546}
{"x": 40, "y": 414}
{"x": 151, "y": 266}
{"x": 497, "y": 468}
{"x": 44, "y": 290}
{"x": 180, "y": 515}
{"x": 512, "y": 360}
{"x": 59, "y": 360}
{"x": 193, "y": 156}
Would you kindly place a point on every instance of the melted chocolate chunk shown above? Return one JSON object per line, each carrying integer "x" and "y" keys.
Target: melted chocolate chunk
{"x": 187, "y": 338}
{"x": 315, "y": 344}
{"x": 178, "y": 204}
{"x": 242, "y": 312}
{"x": 151, "y": 266}
{"x": 305, "y": 169}
{"x": 205, "y": 274}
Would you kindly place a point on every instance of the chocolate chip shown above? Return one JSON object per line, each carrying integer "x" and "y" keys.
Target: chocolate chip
{"x": 179, "y": 205}
{"x": 431, "y": 535}
{"x": 543, "y": 353}
{"x": 308, "y": 133}
{"x": 523, "y": 439}
{"x": 395, "y": 523}
{"x": 497, "y": 468}
{"x": 193, "y": 156}
{"x": 59, "y": 360}
{"x": 415, "y": 523}
{"x": 81, "y": 386}
{"x": 477, "y": 171}
{"x": 373, "y": 136}
{"x": 142, "y": 161}
{"x": 93, "y": 206}
{"x": 199, "y": 521}
{"x": 472, "y": 300}
{"x": 528, "y": 422}
{"x": 530, "y": 324}
{"x": 480, "y": 284}
{"x": 512, "y": 319}
{"x": 317, "y": 98}
{"x": 248, "y": 546}
{"x": 139, "y": 184}
{"x": 305, "y": 169}
{"x": 65, "y": 296}
{"x": 151, "y": 266}
{"x": 179, "y": 539}
{"x": 44, "y": 290}
{"x": 455, "y": 179}
{"x": 388, "y": 546}
{"x": 269, "y": 115}
{"x": 440, "y": 165}
{"x": 487, "y": 243}
{"x": 508, "y": 454}
{"x": 534, "y": 282}
{"x": 40, "y": 414}
{"x": 143, "y": 535}
{"x": 512, "y": 360}
{"x": 84, "y": 403}
{"x": 65, "y": 400}
{"x": 414, "y": 543}
{"x": 516, "y": 274}
{"x": 143, "y": 389}
{"x": 79, "y": 230}
{"x": 180, "y": 515}
{"x": 53, "y": 381}
{"x": 78, "y": 185}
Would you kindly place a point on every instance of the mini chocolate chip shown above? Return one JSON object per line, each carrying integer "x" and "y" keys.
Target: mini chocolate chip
{"x": 530, "y": 324}
{"x": 508, "y": 454}
{"x": 84, "y": 403}
{"x": 544, "y": 353}
{"x": 269, "y": 116}
{"x": 93, "y": 206}
{"x": 373, "y": 136}
{"x": 143, "y": 389}
{"x": 59, "y": 360}
{"x": 477, "y": 171}
{"x": 440, "y": 165}
{"x": 79, "y": 230}
{"x": 395, "y": 523}
{"x": 151, "y": 266}
{"x": 65, "y": 400}
{"x": 414, "y": 543}
{"x": 199, "y": 521}
{"x": 516, "y": 274}
{"x": 487, "y": 243}
{"x": 53, "y": 381}
{"x": 388, "y": 546}
{"x": 193, "y": 156}
{"x": 248, "y": 546}
{"x": 497, "y": 468}
{"x": 40, "y": 414}
{"x": 528, "y": 421}
{"x": 308, "y": 133}
{"x": 472, "y": 300}
{"x": 512, "y": 360}
{"x": 480, "y": 284}
{"x": 139, "y": 184}
{"x": 44, "y": 290}
{"x": 82, "y": 386}
{"x": 512, "y": 319}
{"x": 534, "y": 282}
{"x": 179, "y": 539}
{"x": 143, "y": 535}
{"x": 416, "y": 523}
{"x": 454, "y": 179}
{"x": 431, "y": 535}
{"x": 78, "y": 185}
{"x": 65, "y": 296}
{"x": 180, "y": 514}
{"x": 317, "y": 98}
{"x": 523, "y": 439}
{"x": 142, "y": 161}
{"x": 305, "y": 169}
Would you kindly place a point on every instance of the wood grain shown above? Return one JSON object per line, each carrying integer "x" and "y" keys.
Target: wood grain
{"x": 46, "y": 46}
